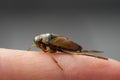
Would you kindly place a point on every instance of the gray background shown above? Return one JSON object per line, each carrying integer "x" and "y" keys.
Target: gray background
{"x": 91, "y": 23}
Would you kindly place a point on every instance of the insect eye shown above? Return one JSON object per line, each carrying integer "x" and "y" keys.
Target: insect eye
{"x": 37, "y": 39}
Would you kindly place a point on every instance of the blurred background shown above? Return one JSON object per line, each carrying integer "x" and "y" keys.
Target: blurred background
{"x": 94, "y": 24}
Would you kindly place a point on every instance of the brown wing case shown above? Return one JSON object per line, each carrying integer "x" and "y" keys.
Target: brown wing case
{"x": 65, "y": 43}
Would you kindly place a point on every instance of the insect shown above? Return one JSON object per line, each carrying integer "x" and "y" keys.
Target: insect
{"x": 52, "y": 43}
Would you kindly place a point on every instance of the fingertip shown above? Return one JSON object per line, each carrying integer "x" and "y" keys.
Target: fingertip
{"x": 89, "y": 68}
{"x": 39, "y": 65}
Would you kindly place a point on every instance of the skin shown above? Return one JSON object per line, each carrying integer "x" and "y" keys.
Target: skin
{"x": 31, "y": 65}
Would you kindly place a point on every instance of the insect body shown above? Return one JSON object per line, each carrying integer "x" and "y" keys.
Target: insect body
{"x": 52, "y": 42}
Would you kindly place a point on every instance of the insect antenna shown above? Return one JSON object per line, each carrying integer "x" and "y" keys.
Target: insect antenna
{"x": 30, "y": 47}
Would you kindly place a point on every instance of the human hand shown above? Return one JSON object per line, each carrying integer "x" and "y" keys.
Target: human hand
{"x": 31, "y": 65}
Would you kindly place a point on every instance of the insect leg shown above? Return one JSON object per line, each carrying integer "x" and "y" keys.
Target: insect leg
{"x": 85, "y": 54}
{"x": 43, "y": 47}
{"x": 56, "y": 61}
{"x": 92, "y": 51}
{"x": 101, "y": 57}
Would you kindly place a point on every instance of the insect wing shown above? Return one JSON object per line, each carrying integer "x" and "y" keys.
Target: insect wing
{"x": 65, "y": 43}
